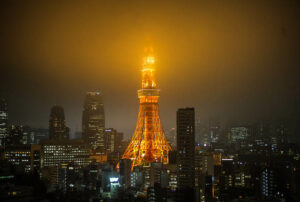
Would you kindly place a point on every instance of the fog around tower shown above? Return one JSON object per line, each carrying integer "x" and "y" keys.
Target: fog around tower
{"x": 232, "y": 61}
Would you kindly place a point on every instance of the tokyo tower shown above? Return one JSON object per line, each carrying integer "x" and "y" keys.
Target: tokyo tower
{"x": 148, "y": 143}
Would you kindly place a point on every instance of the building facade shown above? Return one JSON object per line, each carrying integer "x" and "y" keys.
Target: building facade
{"x": 55, "y": 153}
{"x": 3, "y": 122}
{"x": 93, "y": 120}
{"x": 57, "y": 124}
{"x": 186, "y": 147}
{"x": 26, "y": 157}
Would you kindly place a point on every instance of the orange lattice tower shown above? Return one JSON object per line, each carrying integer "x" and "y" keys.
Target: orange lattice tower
{"x": 148, "y": 143}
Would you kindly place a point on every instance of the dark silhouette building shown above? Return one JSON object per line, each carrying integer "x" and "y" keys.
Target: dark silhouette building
{"x": 269, "y": 183}
{"x": 3, "y": 121}
{"x": 112, "y": 140}
{"x": 15, "y": 136}
{"x": 57, "y": 124}
{"x": 186, "y": 147}
{"x": 24, "y": 157}
{"x": 125, "y": 168}
{"x": 93, "y": 120}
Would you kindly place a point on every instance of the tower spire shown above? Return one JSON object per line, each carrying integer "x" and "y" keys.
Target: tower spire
{"x": 148, "y": 143}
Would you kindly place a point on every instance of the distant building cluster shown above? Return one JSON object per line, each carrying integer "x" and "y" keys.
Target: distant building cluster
{"x": 208, "y": 162}
{"x": 195, "y": 161}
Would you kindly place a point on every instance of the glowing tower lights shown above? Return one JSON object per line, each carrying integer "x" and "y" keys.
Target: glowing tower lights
{"x": 148, "y": 143}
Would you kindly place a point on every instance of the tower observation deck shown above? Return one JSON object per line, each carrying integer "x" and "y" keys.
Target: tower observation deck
{"x": 148, "y": 143}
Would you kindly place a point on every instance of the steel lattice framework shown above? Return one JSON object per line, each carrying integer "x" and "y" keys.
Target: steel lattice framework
{"x": 148, "y": 143}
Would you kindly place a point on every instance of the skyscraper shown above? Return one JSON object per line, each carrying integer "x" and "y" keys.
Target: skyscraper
{"x": 269, "y": 183}
{"x": 3, "y": 121}
{"x": 148, "y": 143}
{"x": 57, "y": 124}
{"x": 15, "y": 136}
{"x": 186, "y": 147}
{"x": 214, "y": 130}
{"x": 93, "y": 120}
{"x": 125, "y": 168}
{"x": 113, "y": 140}
{"x": 171, "y": 137}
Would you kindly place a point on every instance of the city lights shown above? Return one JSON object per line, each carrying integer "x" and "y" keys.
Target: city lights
{"x": 217, "y": 117}
{"x": 114, "y": 179}
{"x": 148, "y": 143}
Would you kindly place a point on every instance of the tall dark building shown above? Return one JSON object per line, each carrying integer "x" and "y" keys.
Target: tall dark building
{"x": 15, "y": 136}
{"x": 125, "y": 168}
{"x": 186, "y": 147}
{"x": 57, "y": 124}
{"x": 93, "y": 120}
{"x": 40, "y": 134}
{"x": 269, "y": 183}
{"x": 112, "y": 140}
{"x": 3, "y": 121}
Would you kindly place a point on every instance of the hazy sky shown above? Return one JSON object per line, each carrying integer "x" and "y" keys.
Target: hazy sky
{"x": 234, "y": 60}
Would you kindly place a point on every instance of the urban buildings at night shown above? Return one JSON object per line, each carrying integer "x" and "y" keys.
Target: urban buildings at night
{"x": 3, "y": 122}
{"x": 27, "y": 157}
{"x": 54, "y": 153}
{"x": 57, "y": 124}
{"x": 186, "y": 147}
{"x": 93, "y": 120}
{"x": 216, "y": 117}
{"x": 209, "y": 161}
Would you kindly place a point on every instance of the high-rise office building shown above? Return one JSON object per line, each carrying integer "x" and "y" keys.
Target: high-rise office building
{"x": 57, "y": 124}
{"x": 269, "y": 183}
{"x": 125, "y": 168}
{"x": 26, "y": 157}
{"x": 136, "y": 177}
{"x": 214, "y": 130}
{"x": 118, "y": 142}
{"x": 40, "y": 134}
{"x": 54, "y": 153}
{"x": 3, "y": 121}
{"x": 151, "y": 174}
{"x": 186, "y": 147}
{"x": 227, "y": 174}
{"x": 113, "y": 140}
{"x": 29, "y": 135}
{"x": 238, "y": 134}
{"x": 204, "y": 134}
{"x": 15, "y": 136}
{"x": 172, "y": 172}
{"x": 109, "y": 139}
{"x": 93, "y": 120}
{"x": 171, "y": 137}
{"x": 198, "y": 131}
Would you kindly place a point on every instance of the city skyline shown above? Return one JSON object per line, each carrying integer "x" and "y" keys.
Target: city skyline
{"x": 150, "y": 101}
{"x": 218, "y": 57}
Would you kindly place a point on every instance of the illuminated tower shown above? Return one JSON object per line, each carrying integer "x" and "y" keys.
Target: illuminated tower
{"x": 148, "y": 143}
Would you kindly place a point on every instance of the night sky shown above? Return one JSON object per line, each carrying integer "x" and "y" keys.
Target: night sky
{"x": 236, "y": 61}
